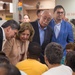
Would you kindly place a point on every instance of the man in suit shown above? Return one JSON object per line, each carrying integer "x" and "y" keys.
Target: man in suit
{"x": 63, "y": 33}
{"x": 8, "y": 31}
{"x": 43, "y": 32}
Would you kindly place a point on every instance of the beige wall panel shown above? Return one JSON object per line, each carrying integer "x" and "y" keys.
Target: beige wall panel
{"x": 44, "y": 4}
{"x": 31, "y": 8}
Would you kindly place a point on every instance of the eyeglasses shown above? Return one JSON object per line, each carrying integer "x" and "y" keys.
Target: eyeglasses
{"x": 48, "y": 19}
{"x": 60, "y": 12}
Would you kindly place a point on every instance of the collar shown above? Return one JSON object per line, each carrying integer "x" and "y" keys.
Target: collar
{"x": 4, "y": 37}
{"x": 59, "y": 24}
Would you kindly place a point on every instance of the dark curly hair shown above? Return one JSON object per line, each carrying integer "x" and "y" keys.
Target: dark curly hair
{"x": 54, "y": 53}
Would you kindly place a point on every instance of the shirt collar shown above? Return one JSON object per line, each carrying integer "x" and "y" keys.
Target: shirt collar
{"x": 58, "y": 24}
{"x": 4, "y": 37}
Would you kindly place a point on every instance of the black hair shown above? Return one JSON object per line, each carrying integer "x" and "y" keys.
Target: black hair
{"x": 34, "y": 50}
{"x": 12, "y": 23}
{"x": 9, "y": 69}
{"x": 38, "y": 11}
{"x": 0, "y": 18}
{"x": 54, "y": 53}
{"x": 70, "y": 60}
{"x": 3, "y": 58}
{"x": 59, "y": 6}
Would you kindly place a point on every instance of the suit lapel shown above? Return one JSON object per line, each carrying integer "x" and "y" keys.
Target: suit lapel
{"x": 36, "y": 32}
{"x": 1, "y": 39}
{"x": 61, "y": 31}
{"x": 47, "y": 35}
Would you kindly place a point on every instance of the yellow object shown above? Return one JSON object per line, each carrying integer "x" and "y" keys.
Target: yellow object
{"x": 19, "y": 3}
{"x": 9, "y": 17}
{"x": 32, "y": 67}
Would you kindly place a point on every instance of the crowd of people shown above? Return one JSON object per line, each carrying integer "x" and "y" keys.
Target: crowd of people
{"x": 42, "y": 47}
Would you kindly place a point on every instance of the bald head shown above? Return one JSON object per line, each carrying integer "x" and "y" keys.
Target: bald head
{"x": 46, "y": 12}
{"x": 45, "y": 18}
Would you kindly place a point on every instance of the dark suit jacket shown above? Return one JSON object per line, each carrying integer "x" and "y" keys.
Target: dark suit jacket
{"x": 1, "y": 39}
{"x": 48, "y": 35}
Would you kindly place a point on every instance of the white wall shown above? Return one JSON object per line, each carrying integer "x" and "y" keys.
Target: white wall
{"x": 69, "y": 6}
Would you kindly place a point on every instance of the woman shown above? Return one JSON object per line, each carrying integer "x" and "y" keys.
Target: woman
{"x": 26, "y": 18}
{"x": 16, "y": 49}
